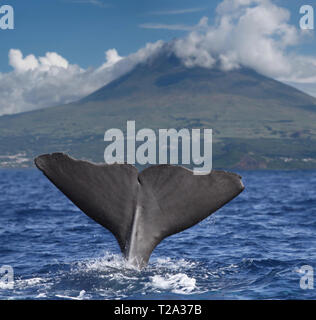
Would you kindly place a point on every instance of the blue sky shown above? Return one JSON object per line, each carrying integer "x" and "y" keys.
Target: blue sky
{"x": 81, "y": 30}
{"x": 62, "y": 50}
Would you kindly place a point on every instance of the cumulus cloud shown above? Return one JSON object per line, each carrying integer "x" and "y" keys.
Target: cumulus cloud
{"x": 38, "y": 82}
{"x": 250, "y": 33}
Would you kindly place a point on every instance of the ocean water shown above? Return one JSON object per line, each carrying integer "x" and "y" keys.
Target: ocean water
{"x": 252, "y": 248}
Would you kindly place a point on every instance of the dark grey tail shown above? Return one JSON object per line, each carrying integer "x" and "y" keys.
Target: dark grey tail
{"x": 140, "y": 209}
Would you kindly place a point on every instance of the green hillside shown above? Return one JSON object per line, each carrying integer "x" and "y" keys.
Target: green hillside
{"x": 257, "y": 122}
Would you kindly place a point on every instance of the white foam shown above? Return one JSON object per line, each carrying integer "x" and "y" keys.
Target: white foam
{"x": 172, "y": 264}
{"x": 29, "y": 282}
{"x": 104, "y": 263}
{"x": 117, "y": 279}
{"x": 178, "y": 283}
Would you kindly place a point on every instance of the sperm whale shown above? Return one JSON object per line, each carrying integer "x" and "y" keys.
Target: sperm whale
{"x": 140, "y": 208}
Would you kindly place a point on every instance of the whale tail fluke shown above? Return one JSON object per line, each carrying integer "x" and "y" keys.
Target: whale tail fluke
{"x": 140, "y": 209}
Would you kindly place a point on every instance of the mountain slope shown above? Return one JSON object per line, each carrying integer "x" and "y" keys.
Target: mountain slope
{"x": 257, "y": 122}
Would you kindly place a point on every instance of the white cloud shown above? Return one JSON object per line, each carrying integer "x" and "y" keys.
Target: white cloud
{"x": 251, "y": 33}
{"x": 177, "y": 11}
{"x": 112, "y": 57}
{"x": 38, "y": 82}
{"x": 21, "y": 64}
{"x": 179, "y": 27}
{"x": 30, "y": 62}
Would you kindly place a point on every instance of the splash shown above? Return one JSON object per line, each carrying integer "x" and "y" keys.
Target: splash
{"x": 178, "y": 283}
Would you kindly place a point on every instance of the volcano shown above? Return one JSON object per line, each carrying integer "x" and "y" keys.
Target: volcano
{"x": 257, "y": 122}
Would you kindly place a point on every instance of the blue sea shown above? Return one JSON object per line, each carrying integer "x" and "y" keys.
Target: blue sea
{"x": 252, "y": 248}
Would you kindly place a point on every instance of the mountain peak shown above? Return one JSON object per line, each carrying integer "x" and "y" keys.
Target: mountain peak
{"x": 165, "y": 73}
